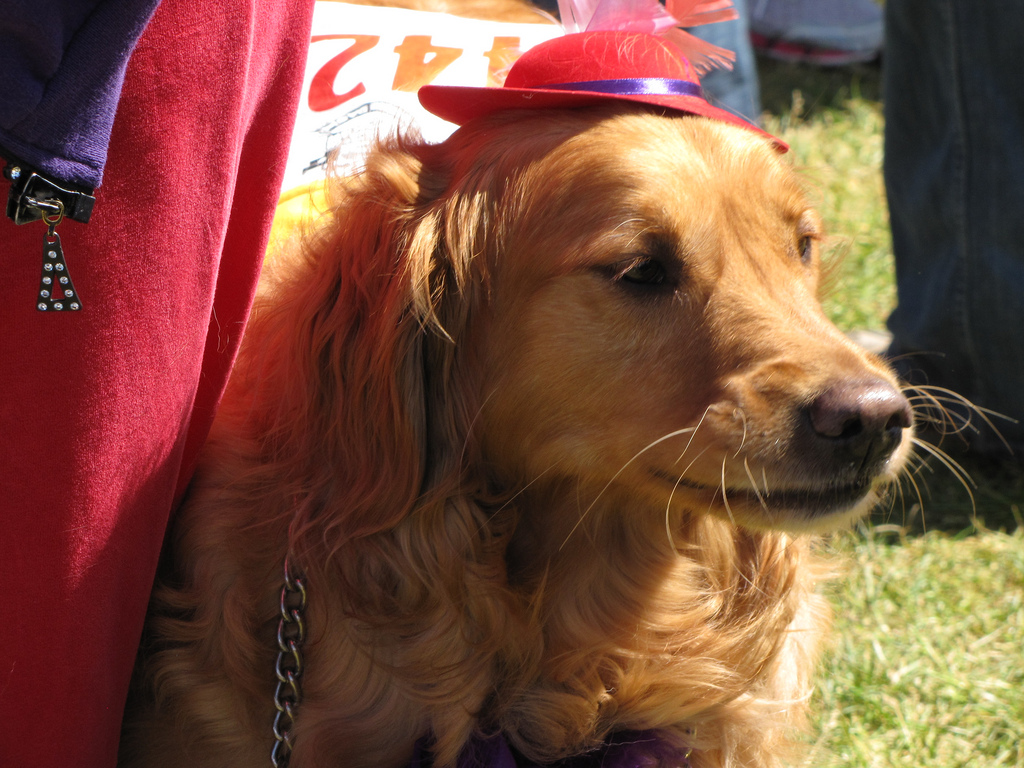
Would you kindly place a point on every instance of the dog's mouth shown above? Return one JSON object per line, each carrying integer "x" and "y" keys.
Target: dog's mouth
{"x": 781, "y": 504}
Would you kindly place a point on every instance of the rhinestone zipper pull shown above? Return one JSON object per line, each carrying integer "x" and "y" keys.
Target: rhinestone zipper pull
{"x": 56, "y": 291}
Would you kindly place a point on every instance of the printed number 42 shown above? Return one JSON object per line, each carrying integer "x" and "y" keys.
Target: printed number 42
{"x": 419, "y": 63}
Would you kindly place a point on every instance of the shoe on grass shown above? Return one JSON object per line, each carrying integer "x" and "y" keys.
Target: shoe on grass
{"x": 822, "y": 32}
{"x": 875, "y": 342}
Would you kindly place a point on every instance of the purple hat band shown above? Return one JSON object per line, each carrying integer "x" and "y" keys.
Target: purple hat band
{"x": 632, "y": 86}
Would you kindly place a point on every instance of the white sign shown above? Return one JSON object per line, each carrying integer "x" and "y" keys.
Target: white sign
{"x": 366, "y": 64}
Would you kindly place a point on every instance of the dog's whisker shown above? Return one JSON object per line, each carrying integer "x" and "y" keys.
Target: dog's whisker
{"x": 681, "y": 475}
{"x": 949, "y": 395}
{"x": 668, "y": 521}
{"x": 894, "y": 491}
{"x": 945, "y": 421}
{"x": 753, "y": 485}
{"x": 962, "y": 475}
{"x": 725, "y": 495}
{"x": 693, "y": 434}
{"x": 917, "y": 490}
{"x": 743, "y": 438}
{"x": 931, "y": 410}
{"x": 520, "y": 492}
{"x": 687, "y": 467}
{"x": 936, "y": 396}
{"x": 672, "y": 493}
{"x": 890, "y": 494}
{"x": 945, "y": 459}
{"x": 917, "y": 465}
{"x": 637, "y": 455}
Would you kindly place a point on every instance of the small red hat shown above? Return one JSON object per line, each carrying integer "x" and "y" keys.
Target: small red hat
{"x": 585, "y": 69}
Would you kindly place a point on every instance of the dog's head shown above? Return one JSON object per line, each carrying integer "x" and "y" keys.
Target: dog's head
{"x": 655, "y": 330}
{"x": 609, "y": 298}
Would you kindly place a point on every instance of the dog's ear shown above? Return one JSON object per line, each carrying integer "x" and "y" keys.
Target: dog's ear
{"x": 341, "y": 344}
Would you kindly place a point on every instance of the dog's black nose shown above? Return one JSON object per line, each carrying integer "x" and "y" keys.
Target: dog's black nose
{"x": 860, "y": 421}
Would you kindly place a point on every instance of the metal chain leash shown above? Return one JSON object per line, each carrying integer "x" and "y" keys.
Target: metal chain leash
{"x": 291, "y": 634}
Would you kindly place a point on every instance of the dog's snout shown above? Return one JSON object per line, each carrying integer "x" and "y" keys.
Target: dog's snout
{"x": 861, "y": 420}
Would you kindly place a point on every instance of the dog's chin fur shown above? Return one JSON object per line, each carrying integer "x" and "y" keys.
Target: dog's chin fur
{"x": 496, "y": 442}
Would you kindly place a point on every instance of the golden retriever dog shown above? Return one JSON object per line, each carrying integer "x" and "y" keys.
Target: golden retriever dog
{"x": 544, "y": 417}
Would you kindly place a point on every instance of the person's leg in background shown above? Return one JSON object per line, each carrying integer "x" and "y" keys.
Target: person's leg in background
{"x": 954, "y": 172}
{"x": 737, "y": 89}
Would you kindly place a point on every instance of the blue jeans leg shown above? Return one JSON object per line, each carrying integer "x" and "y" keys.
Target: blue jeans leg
{"x": 954, "y": 173}
{"x": 738, "y": 89}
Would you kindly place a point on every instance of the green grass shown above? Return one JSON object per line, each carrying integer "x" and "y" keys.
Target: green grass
{"x": 927, "y": 666}
{"x": 832, "y": 120}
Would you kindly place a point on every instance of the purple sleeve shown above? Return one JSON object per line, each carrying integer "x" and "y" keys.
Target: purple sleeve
{"x": 63, "y": 64}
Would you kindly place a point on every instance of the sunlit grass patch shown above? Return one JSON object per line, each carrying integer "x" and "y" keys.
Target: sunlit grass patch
{"x": 927, "y": 666}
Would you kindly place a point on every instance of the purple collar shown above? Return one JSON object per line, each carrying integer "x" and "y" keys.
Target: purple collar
{"x": 629, "y": 749}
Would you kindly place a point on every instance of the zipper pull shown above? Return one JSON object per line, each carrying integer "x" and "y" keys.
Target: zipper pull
{"x": 28, "y": 184}
{"x": 56, "y": 291}
{"x": 32, "y": 197}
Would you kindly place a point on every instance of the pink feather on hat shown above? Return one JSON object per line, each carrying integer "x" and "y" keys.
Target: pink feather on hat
{"x": 653, "y": 18}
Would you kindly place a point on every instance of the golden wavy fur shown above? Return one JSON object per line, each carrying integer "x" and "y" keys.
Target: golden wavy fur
{"x": 543, "y": 414}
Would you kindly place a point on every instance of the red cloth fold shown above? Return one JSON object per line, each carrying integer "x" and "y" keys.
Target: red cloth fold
{"x": 103, "y": 410}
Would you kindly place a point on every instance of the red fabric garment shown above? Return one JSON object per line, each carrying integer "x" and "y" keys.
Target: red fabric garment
{"x": 103, "y": 410}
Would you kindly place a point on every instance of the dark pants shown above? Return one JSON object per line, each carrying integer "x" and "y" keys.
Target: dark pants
{"x": 954, "y": 172}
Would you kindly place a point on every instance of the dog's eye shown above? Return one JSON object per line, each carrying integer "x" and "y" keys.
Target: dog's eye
{"x": 644, "y": 271}
{"x": 805, "y": 247}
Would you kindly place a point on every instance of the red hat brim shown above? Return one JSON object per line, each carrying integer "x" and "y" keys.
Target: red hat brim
{"x": 579, "y": 60}
{"x": 460, "y": 104}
